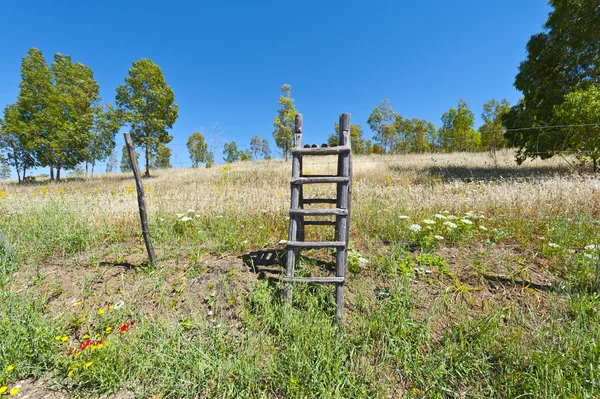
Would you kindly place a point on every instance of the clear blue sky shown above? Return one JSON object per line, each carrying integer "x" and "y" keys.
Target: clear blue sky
{"x": 226, "y": 60}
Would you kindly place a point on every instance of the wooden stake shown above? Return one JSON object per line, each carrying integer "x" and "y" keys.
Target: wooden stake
{"x": 141, "y": 199}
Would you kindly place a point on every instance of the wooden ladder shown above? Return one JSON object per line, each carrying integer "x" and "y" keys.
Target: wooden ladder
{"x": 343, "y": 181}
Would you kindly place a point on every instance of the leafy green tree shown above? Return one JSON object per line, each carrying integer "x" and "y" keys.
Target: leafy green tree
{"x": 561, "y": 59}
{"x": 492, "y": 131}
{"x": 457, "y": 132}
{"x": 413, "y": 135}
{"x": 106, "y": 125}
{"x": 210, "y": 159}
{"x": 111, "y": 163}
{"x": 284, "y": 121}
{"x": 383, "y": 122}
{"x": 255, "y": 147}
{"x": 126, "y": 161}
{"x": 357, "y": 140}
{"x": 161, "y": 158}
{"x": 231, "y": 153}
{"x": 198, "y": 149}
{"x": 11, "y": 147}
{"x": 148, "y": 105}
{"x": 4, "y": 171}
{"x": 265, "y": 149}
{"x": 581, "y": 107}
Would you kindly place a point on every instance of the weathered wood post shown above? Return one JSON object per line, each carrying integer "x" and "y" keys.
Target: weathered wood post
{"x": 141, "y": 198}
{"x": 343, "y": 222}
{"x": 293, "y": 253}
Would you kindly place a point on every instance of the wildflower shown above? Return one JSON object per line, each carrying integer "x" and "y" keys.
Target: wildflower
{"x": 415, "y": 227}
{"x": 450, "y": 225}
{"x": 108, "y": 330}
{"x": 78, "y": 303}
{"x": 10, "y": 367}
{"x": 118, "y": 305}
{"x": 439, "y": 216}
{"x": 483, "y": 228}
{"x": 592, "y": 247}
{"x": 438, "y": 237}
{"x": 64, "y": 339}
{"x": 100, "y": 311}
{"x": 86, "y": 336}
{"x": 466, "y": 221}
{"x": 124, "y": 328}
{"x": 589, "y": 256}
{"x": 403, "y": 217}
{"x": 191, "y": 211}
{"x": 58, "y": 337}
{"x": 553, "y": 245}
{"x": 179, "y": 215}
{"x": 3, "y": 389}
{"x": 186, "y": 219}
{"x": 14, "y": 391}
{"x": 70, "y": 373}
{"x": 451, "y": 217}
{"x": 88, "y": 364}
{"x": 428, "y": 221}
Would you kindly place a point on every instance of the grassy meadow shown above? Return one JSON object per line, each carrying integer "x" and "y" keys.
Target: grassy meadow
{"x": 470, "y": 277}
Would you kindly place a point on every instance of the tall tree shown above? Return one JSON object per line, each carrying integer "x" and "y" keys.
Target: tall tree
{"x": 561, "y": 59}
{"x": 582, "y": 108}
{"x": 11, "y": 145}
{"x": 231, "y": 153}
{"x": 265, "y": 149}
{"x": 383, "y": 122}
{"x": 413, "y": 135}
{"x": 126, "y": 161}
{"x": 111, "y": 163}
{"x": 492, "y": 131}
{"x": 457, "y": 132}
{"x": 148, "y": 105}
{"x": 106, "y": 125}
{"x": 198, "y": 149}
{"x": 255, "y": 146}
{"x": 161, "y": 158}
{"x": 4, "y": 171}
{"x": 284, "y": 121}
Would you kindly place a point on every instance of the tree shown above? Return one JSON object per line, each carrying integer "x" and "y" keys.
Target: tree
{"x": 231, "y": 153}
{"x": 111, "y": 164}
{"x": 148, "y": 105}
{"x": 413, "y": 135}
{"x": 106, "y": 125}
{"x": 457, "y": 132}
{"x": 198, "y": 149}
{"x": 11, "y": 145}
{"x": 561, "y": 59}
{"x": 255, "y": 146}
{"x": 126, "y": 161}
{"x": 265, "y": 149}
{"x": 161, "y": 158}
{"x": 581, "y": 107}
{"x": 383, "y": 122}
{"x": 4, "y": 171}
{"x": 359, "y": 144}
{"x": 492, "y": 131}
{"x": 284, "y": 121}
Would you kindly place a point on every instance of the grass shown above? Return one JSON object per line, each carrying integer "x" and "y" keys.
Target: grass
{"x": 487, "y": 308}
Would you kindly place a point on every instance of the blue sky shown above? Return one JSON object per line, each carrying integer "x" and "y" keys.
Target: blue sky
{"x": 226, "y": 60}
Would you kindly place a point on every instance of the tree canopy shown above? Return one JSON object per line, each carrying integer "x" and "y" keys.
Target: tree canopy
{"x": 284, "y": 121}
{"x": 198, "y": 149}
{"x": 148, "y": 105}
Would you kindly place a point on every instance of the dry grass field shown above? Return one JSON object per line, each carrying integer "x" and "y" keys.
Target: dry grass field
{"x": 470, "y": 276}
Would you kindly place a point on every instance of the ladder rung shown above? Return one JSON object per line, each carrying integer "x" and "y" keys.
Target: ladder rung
{"x": 319, "y": 212}
{"x": 340, "y": 149}
{"x": 319, "y": 223}
{"x": 316, "y": 244}
{"x": 319, "y": 201}
{"x": 312, "y": 180}
{"x": 314, "y": 280}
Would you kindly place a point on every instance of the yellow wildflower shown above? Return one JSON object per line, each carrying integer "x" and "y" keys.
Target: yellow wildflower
{"x": 3, "y": 389}
{"x": 14, "y": 391}
{"x": 70, "y": 374}
{"x": 108, "y": 330}
{"x": 58, "y": 337}
{"x": 100, "y": 311}
{"x": 88, "y": 364}
{"x": 64, "y": 339}
{"x": 10, "y": 367}
{"x": 86, "y": 336}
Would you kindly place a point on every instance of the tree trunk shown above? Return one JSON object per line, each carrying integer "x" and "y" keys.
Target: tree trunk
{"x": 51, "y": 173}
{"x": 147, "y": 174}
{"x": 58, "y": 174}
{"x": 285, "y": 152}
{"x": 86, "y": 169}
{"x": 595, "y": 165}
{"x": 24, "y": 172}
{"x": 93, "y": 164}
{"x": 18, "y": 175}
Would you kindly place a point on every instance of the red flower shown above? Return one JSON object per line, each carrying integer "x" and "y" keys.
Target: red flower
{"x": 70, "y": 351}
{"x": 124, "y": 327}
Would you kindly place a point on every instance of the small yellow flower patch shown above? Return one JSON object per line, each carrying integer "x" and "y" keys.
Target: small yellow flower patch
{"x": 88, "y": 364}
{"x": 10, "y": 367}
{"x": 100, "y": 311}
{"x": 14, "y": 391}
{"x": 3, "y": 389}
{"x": 64, "y": 339}
{"x": 70, "y": 373}
{"x": 108, "y": 330}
